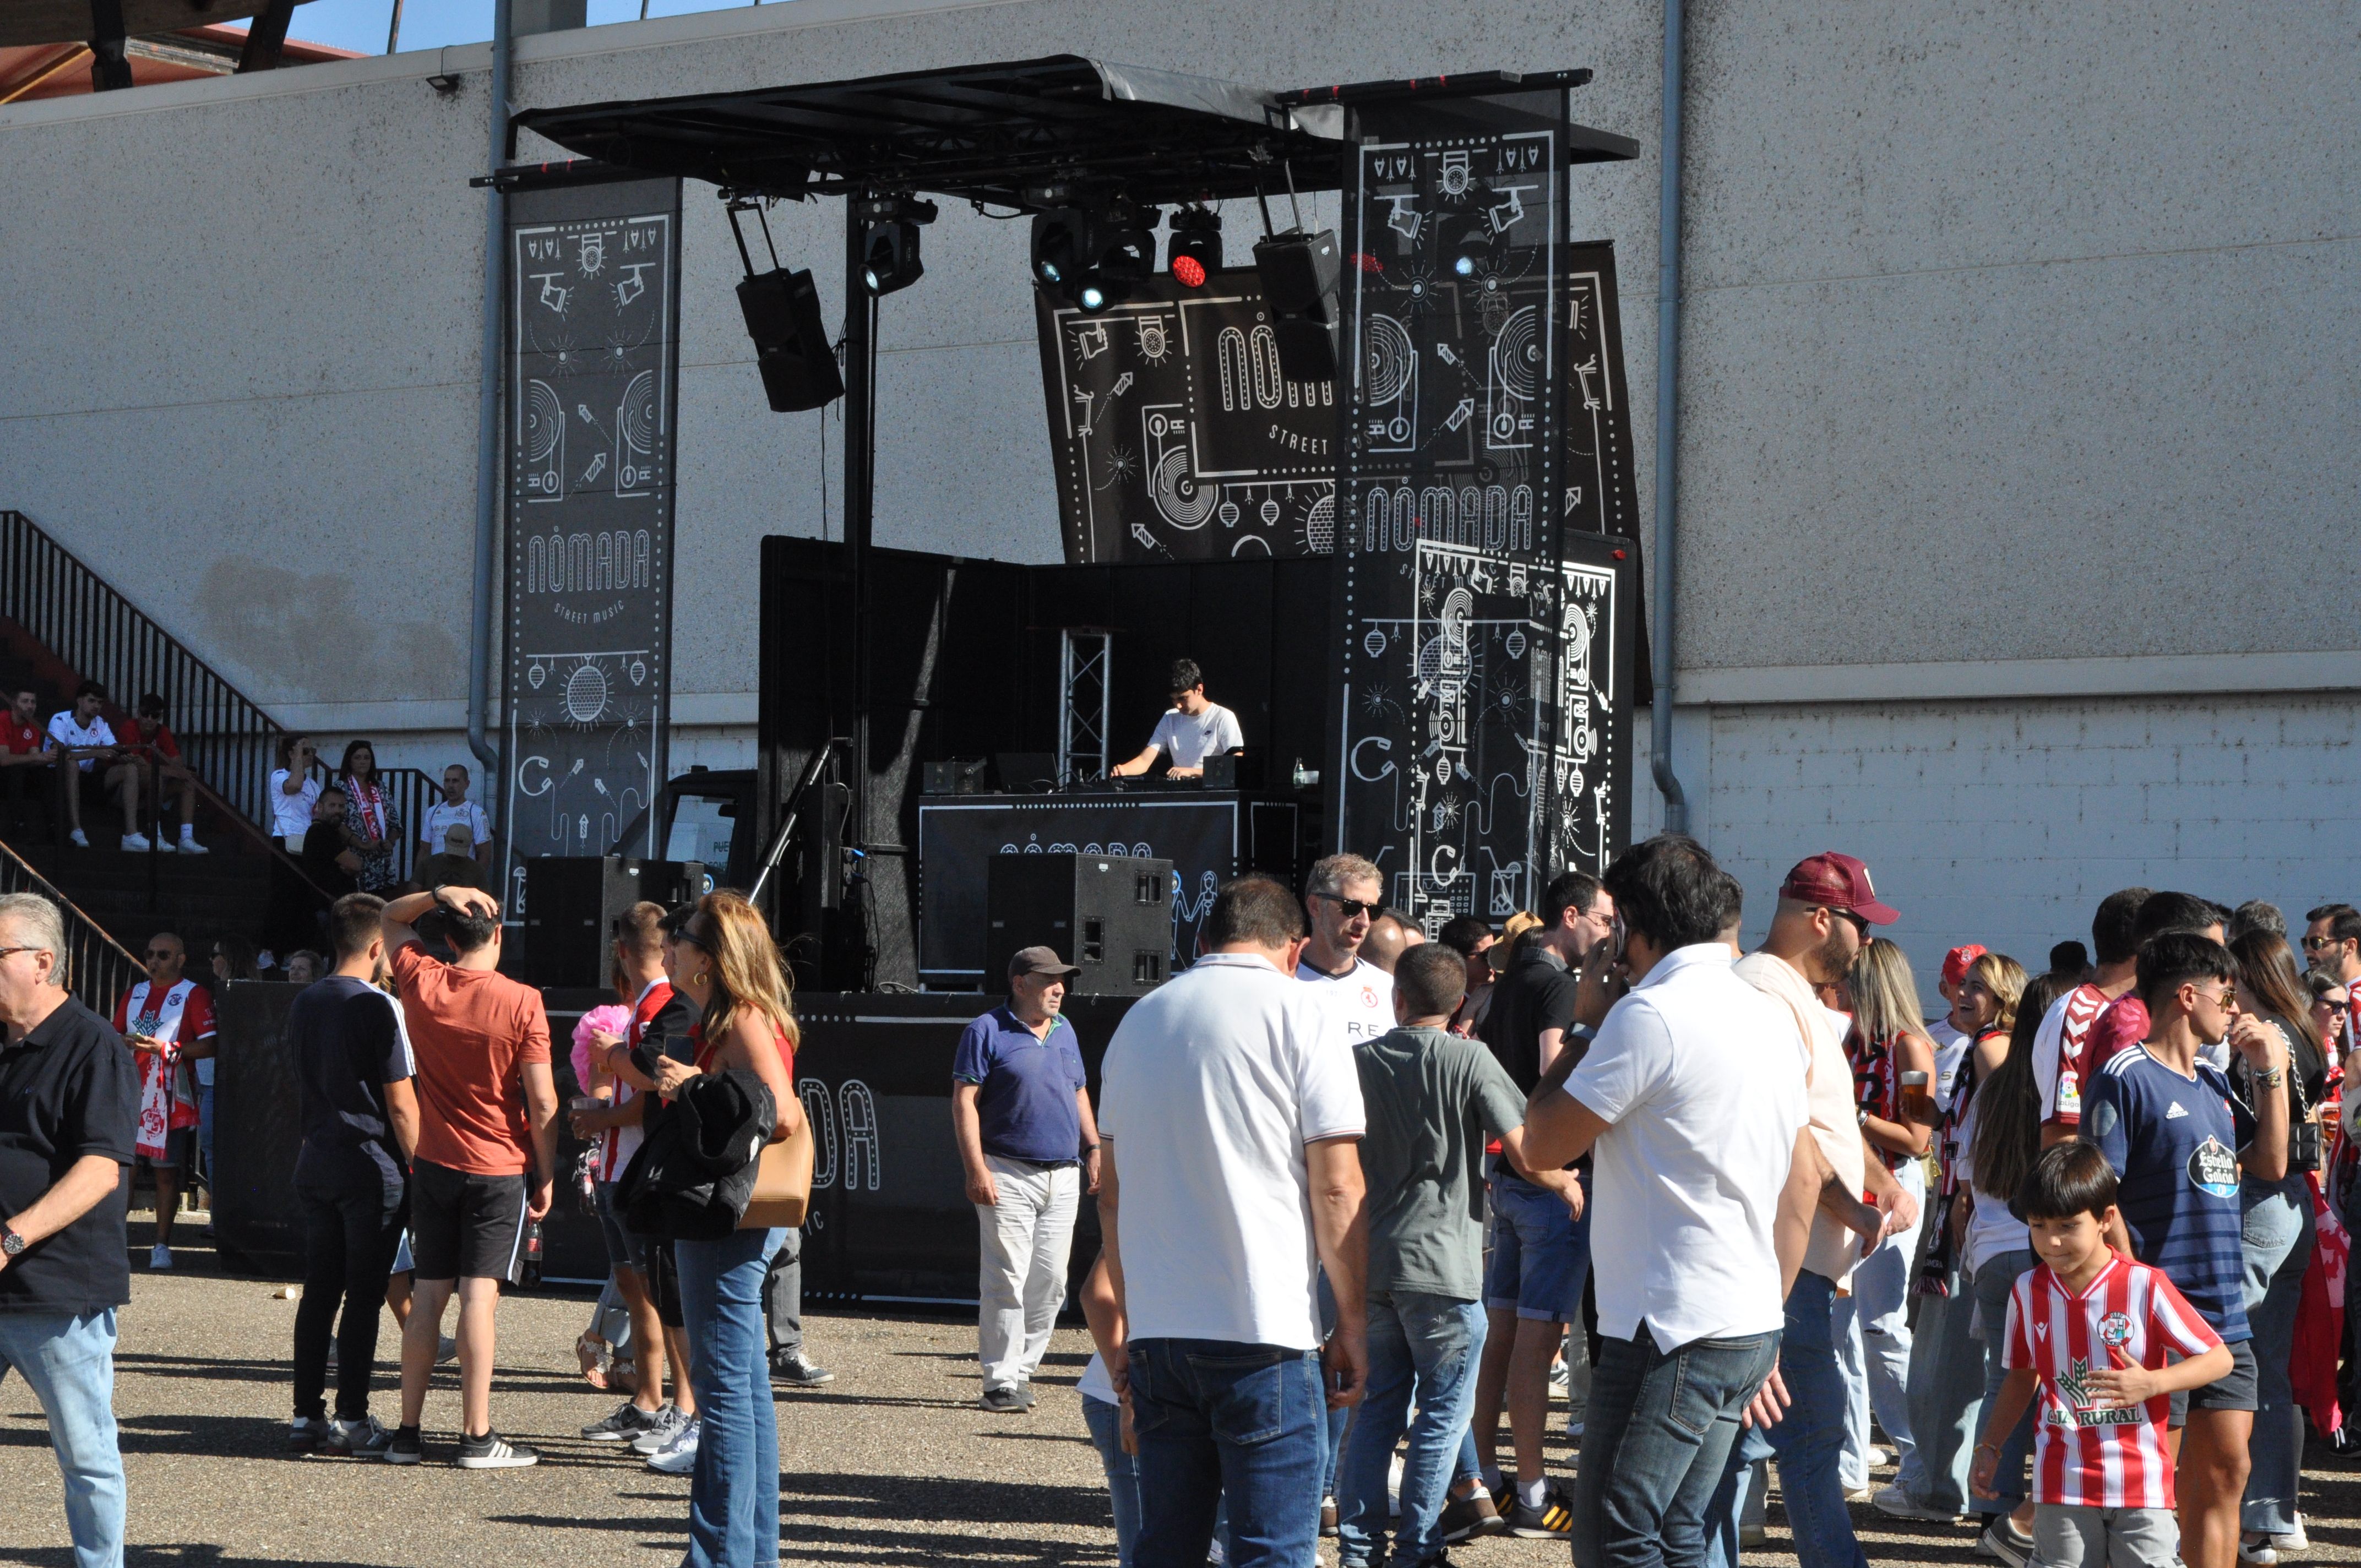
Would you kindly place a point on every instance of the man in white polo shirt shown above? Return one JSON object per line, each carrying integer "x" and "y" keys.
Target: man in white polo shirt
{"x": 1229, "y": 1121}
{"x": 1195, "y": 728}
{"x": 1691, "y": 1101}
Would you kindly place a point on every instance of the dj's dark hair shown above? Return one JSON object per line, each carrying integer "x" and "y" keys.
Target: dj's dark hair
{"x": 1670, "y": 892}
{"x": 1185, "y": 674}
{"x": 1431, "y": 979}
{"x": 1463, "y": 933}
{"x": 2164, "y": 912}
{"x": 1256, "y": 909}
{"x": 2176, "y": 958}
{"x": 1576, "y": 891}
{"x": 2069, "y": 1179}
{"x": 2110, "y": 928}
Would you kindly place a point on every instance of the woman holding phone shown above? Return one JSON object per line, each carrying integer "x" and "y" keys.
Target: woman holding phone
{"x": 718, "y": 955}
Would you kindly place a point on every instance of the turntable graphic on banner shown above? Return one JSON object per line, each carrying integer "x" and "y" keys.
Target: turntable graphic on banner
{"x": 592, "y": 382}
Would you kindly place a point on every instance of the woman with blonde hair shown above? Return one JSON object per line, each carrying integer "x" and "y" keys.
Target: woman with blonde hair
{"x": 720, "y": 957}
{"x": 1894, "y": 1074}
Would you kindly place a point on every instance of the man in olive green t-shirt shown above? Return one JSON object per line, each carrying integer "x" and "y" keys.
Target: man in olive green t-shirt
{"x": 1433, "y": 1100}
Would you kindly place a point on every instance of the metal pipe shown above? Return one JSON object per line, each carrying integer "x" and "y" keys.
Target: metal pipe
{"x": 1668, "y": 388}
{"x": 487, "y": 428}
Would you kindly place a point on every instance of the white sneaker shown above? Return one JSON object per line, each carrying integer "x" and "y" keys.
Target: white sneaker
{"x": 668, "y": 1425}
{"x": 137, "y": 843}
{"x": 678, "y": 1457}
{"x": 160, "y": 1257}
{"x": 2293, "y": 1540}
{"x": 188, "y": 845}
{"x": 80, "y": 839}
{"x": 164, "y": 846}
{"x": 1875, "y": 1458}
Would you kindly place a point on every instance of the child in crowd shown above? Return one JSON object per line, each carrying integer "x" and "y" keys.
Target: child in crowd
{"x": 2088, "y": 1331}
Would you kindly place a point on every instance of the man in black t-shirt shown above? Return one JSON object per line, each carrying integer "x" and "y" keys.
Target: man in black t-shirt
{"x": 1541, "y": 1238}
{"x": 69, "y": 1100}
{"x": 352, "y": 1180}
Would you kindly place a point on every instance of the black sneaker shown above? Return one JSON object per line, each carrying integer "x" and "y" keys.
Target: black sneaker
{"x": 306, "y": 1434}
{"x": 493, "y": 1451}
{"x": 404, "y": 1447}
{"x": 363, "y": 1439}
{"x": 794, "y": 1366}
{"x": 1552, "y": 1522}
{"x": 1465, "y": 1518}
{"x": 628, "y": 1422}
{"x": 1004, "y": 1399}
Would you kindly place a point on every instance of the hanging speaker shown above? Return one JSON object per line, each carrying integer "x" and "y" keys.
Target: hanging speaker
{"x": 1298, "y": 288}
{"x": 791, "y": 347}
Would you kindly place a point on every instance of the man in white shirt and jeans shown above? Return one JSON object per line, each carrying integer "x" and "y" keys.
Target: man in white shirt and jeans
{"x": 1195, "y": 728}
{"x": 1690, "y": 1101}
{"x": 1229, "y": 1120}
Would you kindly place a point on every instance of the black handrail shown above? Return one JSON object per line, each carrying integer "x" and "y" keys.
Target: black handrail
{"x": 98, "y": 968}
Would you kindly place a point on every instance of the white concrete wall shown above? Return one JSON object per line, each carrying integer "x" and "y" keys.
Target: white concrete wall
{"x": 2020, "y": 392}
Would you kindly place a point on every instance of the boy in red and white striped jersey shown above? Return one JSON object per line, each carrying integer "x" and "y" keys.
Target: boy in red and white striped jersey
{"x": 2088, "y": 1331}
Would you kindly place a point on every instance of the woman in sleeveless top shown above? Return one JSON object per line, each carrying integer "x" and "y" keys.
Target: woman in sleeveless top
{"x": 720, "y": 956}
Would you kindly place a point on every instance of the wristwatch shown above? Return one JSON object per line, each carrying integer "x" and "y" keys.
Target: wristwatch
{"x": 11, "y": 1242}
{"x": 1864, "y": 1116}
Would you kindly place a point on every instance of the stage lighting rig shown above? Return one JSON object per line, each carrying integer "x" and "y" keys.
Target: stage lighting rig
{"x": 889, "y": 244}
{"x": 1194, "y": 251}
{"x": 1094, "y": 257}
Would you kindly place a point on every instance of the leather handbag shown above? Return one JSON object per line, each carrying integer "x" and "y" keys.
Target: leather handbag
{"x": 783, "y": 1183}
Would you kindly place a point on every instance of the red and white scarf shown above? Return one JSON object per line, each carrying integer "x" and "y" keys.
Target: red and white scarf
{"x": 166, "y": 1101}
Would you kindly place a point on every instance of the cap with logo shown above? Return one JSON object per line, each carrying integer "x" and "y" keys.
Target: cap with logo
{"x": 458, "y": 840}
{"x": 1959, "y": 961}
{"x": 1838, "y": 882}
{"x": 1039, "y": 960}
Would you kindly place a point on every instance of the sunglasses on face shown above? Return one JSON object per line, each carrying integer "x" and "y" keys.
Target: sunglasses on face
{"x": 1354, "y": 908}
{"x": 161, "y": 955}
{"x": 2333, "y": 1006}
{"x": 2314, "y": 944}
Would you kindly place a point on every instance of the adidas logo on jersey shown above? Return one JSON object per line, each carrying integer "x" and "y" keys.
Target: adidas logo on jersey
{"x": 2175, "y": 1111}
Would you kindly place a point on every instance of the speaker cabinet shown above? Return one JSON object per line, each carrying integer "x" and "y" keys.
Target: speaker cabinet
{"x": 791, "y": 346}
{"x": 1299, "y": 284}
{"x": 571, "y": 904}
{"x": 1109, "y": 915}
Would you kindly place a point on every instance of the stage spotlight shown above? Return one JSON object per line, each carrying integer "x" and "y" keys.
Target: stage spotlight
{"x": 1194, "y": 251}
{"x": 889, "y": 246}
{"x": 791, "y": 347}
{"x": 1468, "y": 248}
{"x": 1058, "y": 247}
{"x": 1299, "y": 286}
{"x": 1093, "y": 259}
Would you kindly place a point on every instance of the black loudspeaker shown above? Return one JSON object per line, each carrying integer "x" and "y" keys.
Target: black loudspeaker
{"x": 791, "y": 347}
{"x": 1109, "y": 915}
{"x": 1299, "y": 284}
{"x": 957, "y": 776}
{"x": 571, "y": 904}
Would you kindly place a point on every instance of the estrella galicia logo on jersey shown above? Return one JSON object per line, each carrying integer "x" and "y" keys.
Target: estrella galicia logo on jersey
{"x": 2213, "y": 1170}
{"x": 2115, "y": 1329}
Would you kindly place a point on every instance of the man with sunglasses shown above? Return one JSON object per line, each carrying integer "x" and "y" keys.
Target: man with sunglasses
{"x": 2332, "y": 946}
{"x": 2181, "y": 1140}
{"x": 168, "y": 1021}
{"x": 1344, "y": 895}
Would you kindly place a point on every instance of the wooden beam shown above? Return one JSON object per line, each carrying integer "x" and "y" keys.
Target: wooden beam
{"x": 41, "y": 71}
{"x": 267, "y": 37}
{"x": 109, "y": 70}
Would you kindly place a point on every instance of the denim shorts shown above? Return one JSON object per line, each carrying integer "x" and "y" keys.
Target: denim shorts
{"x": 1541, "y": 1254}
{"x": 624, "y": 1250}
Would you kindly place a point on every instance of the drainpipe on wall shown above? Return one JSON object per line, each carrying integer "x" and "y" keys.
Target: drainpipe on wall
{"x": 487, "y": 427}
{"x": 1668, "y": 386}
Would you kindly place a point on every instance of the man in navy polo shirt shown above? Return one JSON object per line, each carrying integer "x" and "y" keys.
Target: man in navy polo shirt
{"x": 2181, "y": 1140}
{"x": 1021, "y": 1112}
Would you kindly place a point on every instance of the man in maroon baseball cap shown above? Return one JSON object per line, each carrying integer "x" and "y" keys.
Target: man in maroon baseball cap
{"x": 1839, "y": 883}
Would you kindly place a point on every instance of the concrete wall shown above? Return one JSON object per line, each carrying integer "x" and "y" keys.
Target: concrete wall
{"x": 2022, "y": 423}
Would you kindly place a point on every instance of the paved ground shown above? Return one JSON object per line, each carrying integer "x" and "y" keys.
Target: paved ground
{"x": 891, "y": 1465}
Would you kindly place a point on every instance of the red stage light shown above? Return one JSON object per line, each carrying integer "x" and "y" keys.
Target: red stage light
{"x": 1190, "y": 270}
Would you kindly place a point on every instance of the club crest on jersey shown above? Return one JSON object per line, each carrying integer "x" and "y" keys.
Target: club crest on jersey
{"x": 2213, "y": 1170}
{"x": 2115, "y": 1329}
{"x": 1368, "y": 997}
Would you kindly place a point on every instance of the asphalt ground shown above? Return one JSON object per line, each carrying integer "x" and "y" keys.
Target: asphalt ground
{"x": 891, "y": 1463}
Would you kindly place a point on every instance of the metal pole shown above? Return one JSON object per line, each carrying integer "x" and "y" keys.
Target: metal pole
{"x": 488, "y": 429}
{"x": 860, "y": 472}
{"x": 1668, "y": 388}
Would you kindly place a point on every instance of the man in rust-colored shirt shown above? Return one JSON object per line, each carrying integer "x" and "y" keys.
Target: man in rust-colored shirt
{"x": 486, "y": 1151}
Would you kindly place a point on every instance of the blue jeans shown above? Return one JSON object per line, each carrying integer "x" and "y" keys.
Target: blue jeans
{"x": 1947, "y": 1395}
{"x": 1105, "y": 1422}
{"x": 1727, "y": 1512}
{"x": 2276, "y": 1240}
{"x": 734, "y": 1496}
{"x": 1655, "y": 1440}
{"x": 1872, "y": 1340}
{"x": 1217, "y": 1420}
{"x": 1809, "y": 1440}
{"x": 1994, "y": 1280}
{"x": 1430, "y": 1344}
{"x": 70, "y": 1363}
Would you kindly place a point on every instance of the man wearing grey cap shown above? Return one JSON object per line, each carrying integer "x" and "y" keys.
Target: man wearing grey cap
{"x": 1021, "y": 1112}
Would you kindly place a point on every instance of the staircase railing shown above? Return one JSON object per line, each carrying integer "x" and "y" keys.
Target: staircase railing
{"x": 77, "y": 615}
{"x": 98, "y": 968}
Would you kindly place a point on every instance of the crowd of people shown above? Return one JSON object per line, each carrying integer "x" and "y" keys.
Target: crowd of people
{"x": 2068, "y": 1256}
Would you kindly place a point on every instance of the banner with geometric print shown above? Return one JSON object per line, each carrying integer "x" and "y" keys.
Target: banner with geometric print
{"x": 593, "y": 372}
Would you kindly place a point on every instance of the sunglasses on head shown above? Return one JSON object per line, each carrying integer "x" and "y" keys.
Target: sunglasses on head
{"x": 1354, "y": 908}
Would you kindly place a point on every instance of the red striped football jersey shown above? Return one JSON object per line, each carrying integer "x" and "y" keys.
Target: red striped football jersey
{"x": 2087, "y": 1454}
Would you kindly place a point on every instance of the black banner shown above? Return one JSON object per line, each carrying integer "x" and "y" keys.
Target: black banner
{"x": 1175, "y": 436}
{"x": 593, "y": 374}
{"x": 1451, "y": 606}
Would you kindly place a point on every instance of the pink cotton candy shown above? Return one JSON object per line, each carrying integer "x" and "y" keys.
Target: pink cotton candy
{"x": 612, "y": 1019}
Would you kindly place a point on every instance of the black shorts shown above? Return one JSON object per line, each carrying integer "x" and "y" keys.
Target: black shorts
{"x": 2234, "y": 1390}
{"x": 177, "y": 1143}
{"x": 464, "y": 1226}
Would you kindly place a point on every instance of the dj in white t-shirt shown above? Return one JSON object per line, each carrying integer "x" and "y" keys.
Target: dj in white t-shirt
{"x": 1194, "y": 730}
